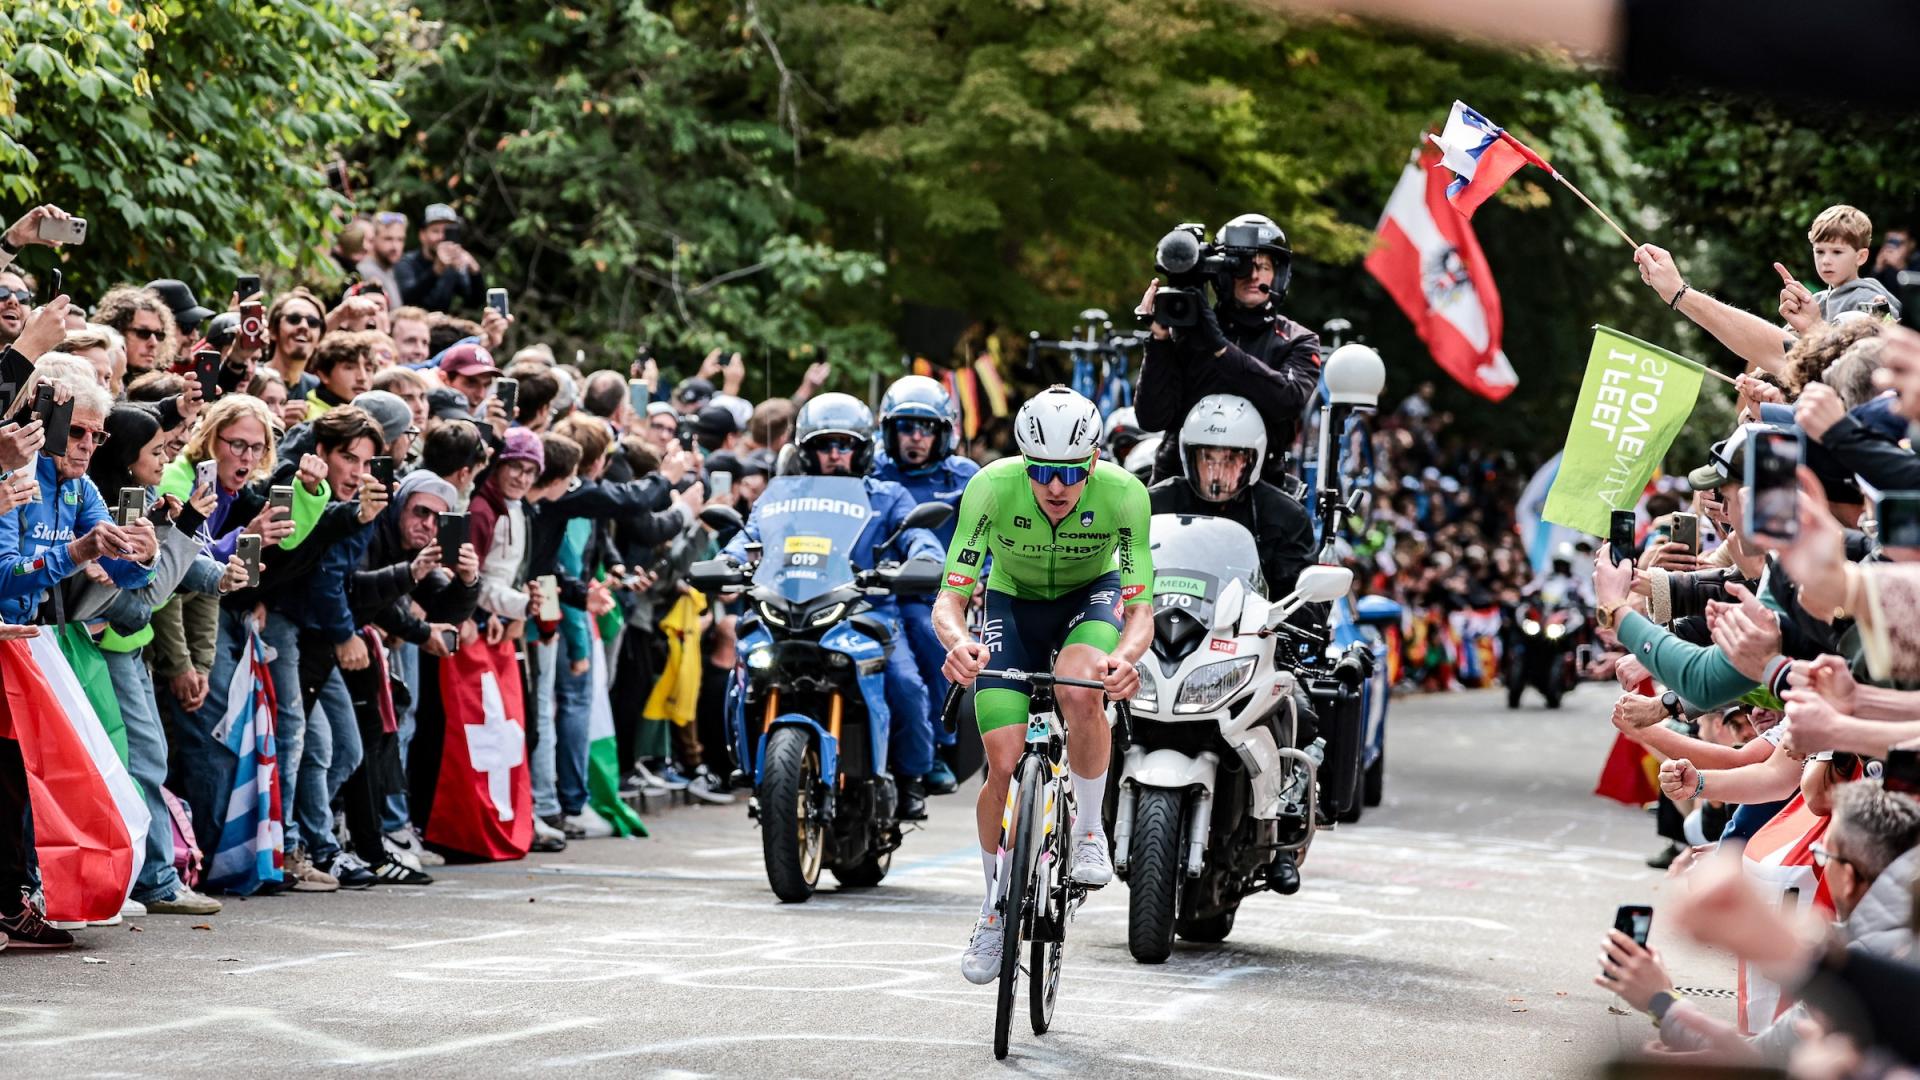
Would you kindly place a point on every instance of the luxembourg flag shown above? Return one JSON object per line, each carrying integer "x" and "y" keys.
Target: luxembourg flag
{"x": 1430, "y": 262}
{"x": 1480, "y": 155}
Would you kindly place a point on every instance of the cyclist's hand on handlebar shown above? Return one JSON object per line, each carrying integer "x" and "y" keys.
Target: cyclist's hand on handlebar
{"x": 1121, "y": 679}
{"x": 964, "y": 662}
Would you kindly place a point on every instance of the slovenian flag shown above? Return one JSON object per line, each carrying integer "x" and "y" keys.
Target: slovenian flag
{"x": 1481, "y": 156}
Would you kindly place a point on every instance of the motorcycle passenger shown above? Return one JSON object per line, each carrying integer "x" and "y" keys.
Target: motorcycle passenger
{"x": 1241, "y": 346}
{"x": 1223, "y": 447}
{"x": 918, "y": 431}
{"x": 834, "y": 437}
{"x": 1560, "y": 584}
{"x": 1072, "y": 571}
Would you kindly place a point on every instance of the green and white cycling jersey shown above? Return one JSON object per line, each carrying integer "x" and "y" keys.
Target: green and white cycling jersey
{"x": 1033, "y": 559}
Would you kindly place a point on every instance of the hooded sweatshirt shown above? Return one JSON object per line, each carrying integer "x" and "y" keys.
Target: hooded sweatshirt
{"x": 34, "y": 539}
{"x": 1852, "y": 296}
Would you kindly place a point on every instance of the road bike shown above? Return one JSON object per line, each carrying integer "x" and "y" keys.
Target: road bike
{"x": 1037, "y": 897}
{"x": 1102, "y": 360}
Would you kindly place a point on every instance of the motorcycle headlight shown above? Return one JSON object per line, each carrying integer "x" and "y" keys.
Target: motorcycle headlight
{"x": 1529, "y": 626}
{"x": 761, "y": 658}
{"x": 827, "y": 615}
{"x": 1213, "y": 684}
{"x": 1148, "y": 696}
{"x": 771, "y": 613}
{"x": 1556, "y": 630}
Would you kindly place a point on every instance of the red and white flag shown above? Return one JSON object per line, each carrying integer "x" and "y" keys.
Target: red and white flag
{"x": 483, "y": 802}
{"x": 1431, "y": 264}
{"x": 1480, "y": 155}
{"x": 1779, "y": 862}
{"x": 89, "y": 822}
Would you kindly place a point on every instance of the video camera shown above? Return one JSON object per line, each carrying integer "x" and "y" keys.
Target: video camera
{"x": 1191, "y": 263}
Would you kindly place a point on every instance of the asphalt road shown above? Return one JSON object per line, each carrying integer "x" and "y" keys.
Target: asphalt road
{"x": 1453, "y": 932}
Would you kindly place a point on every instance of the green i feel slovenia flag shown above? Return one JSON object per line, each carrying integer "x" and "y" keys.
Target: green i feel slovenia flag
{"x": 1635, "y": 399}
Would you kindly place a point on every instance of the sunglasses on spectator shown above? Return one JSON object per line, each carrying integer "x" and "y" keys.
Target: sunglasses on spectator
{"x": 1045, "y": 472}
{"x": 144, "y": 334}
{"x": 76, "y": 434}
{"x": 19, "y": 295}
{"x": 421, "y": 511}
{"x": 243, "y": 449}
{"x": 314, "y": 321}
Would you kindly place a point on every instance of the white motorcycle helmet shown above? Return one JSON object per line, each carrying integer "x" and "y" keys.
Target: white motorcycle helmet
{"x": 1057, "y": 425}
{"x": 1225, "y": 422}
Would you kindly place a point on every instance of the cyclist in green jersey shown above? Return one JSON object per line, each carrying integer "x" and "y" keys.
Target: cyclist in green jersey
{"x": 1071, "y": 571}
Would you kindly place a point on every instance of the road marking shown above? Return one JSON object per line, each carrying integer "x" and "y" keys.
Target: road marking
{"x": 495, "y": 936}
{"x": 300, "y": 961}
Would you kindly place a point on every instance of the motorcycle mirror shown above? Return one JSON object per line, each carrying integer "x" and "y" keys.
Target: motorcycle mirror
{"x": 1226, "y": 610}
{"x": 1316, "y": 585}
{"x": 721, "y": 518}
{"x": 928, "y": 515}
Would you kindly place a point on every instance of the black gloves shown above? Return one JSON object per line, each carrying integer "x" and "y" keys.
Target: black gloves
{"x": 1206, "y": 336}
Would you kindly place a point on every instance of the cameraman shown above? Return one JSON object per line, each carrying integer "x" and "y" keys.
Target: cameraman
{"x": 1243, "y": 345}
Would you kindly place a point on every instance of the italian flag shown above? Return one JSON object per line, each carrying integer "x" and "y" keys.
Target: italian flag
{"x": 89, "y": 822}
{"x": 603, "y": 754}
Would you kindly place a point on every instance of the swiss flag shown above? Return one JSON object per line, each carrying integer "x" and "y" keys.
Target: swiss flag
{"x": 89, "y": 822}
{"x": 483, "y": 803}
{"x": 1431, "y": 264}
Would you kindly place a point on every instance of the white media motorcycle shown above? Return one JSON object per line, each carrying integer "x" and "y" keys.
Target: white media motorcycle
{"x": 1215, "y": 784}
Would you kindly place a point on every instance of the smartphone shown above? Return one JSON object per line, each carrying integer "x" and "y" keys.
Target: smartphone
{"x": 549, "y": 598}
{"x": 451, "y": 234}
{"x": 249, "y": 552}
{"x": 638, "y": 397}
{"x": 280, "y": 497}
{"x": 229, "y": 379}
{"x": 56, "y": 284}
{"x": 1897, "y": 514}
{"x": 205, "y": 473}
{"x": 688, "y": 432}
{"x": 70, "y": 231}
{"x": 1585, "y": 655}
{"x": 1902, "y": 772}
{"x": 1620, "y": 541}
{"x": 1634, "y": 920}
{"x": 720, "y": 485}
{"x": 452, "y": 640}
{"x": 1773, "y": 500}
{"x": 206, "y": 369}
{"x": 244, "y": 286}
{"x": 253, "y": 325}
{"x": 508, "y": 391}
{"x": 132, "y": 507}
{"x": 453, "y": 533}
{"x": 1686, "y": 530}
{"x": 381, "y": 468}
{"x": 56, "y": 417}
{"x": 497, "y": 300}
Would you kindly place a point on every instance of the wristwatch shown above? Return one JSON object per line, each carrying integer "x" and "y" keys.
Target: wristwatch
{"x": 1674, "y": 709}
{"x": 1608, "y": 615}
{"x": 1660, "y": 1002}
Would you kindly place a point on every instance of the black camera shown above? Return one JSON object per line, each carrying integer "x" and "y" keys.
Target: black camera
{"x": 1191, "y": 264}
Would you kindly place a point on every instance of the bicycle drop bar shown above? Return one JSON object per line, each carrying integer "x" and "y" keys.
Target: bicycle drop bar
{"x": 1040, "y": 678}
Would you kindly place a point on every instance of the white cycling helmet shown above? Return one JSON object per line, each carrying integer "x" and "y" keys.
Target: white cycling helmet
{"x": 1057, "y": 425}
{"x": 1223, "y": 421}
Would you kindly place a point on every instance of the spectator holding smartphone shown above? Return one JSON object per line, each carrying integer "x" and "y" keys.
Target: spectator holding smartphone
{"x": 441, "y": 275}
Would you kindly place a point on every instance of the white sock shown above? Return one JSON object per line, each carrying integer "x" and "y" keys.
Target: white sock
{"x": 1089, "y": 792}
{"x": 988, "y": 861}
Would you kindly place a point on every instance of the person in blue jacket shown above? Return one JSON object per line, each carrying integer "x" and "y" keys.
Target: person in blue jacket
{"x": 919, "y": 431}
{"x": 834, "y": 436}
{"x": 46, "y": 541}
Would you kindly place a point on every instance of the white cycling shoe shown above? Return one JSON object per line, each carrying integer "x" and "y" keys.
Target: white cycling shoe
{"x": 981, "y": 962}
{"x": 1091, "y": 865}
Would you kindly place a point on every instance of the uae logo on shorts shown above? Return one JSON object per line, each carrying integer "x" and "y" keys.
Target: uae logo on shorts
{"x": 1086, "y": 518}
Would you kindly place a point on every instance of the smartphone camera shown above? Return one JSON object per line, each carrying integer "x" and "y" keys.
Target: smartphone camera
{"x": 1773, "y": 509}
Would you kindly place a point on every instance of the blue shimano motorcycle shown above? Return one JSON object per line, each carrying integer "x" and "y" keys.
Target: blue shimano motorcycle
{"x": 807, "y": 708}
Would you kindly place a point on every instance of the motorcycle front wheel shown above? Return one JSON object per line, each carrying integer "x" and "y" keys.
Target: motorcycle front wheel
{"x": 1153, "y": 875}
{"x": 792, "y": 838}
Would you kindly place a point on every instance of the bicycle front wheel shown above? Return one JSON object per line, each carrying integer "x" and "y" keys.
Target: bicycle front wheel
{"x": 1017, "y": 898}
{"x": 1050, "y": 912}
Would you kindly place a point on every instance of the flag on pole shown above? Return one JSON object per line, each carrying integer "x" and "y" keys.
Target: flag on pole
{"x": 1431, "y": 264}
{"x": 603, "y": 753}
{"x": 250, "y": 851}
{"x": 89, "y": 822}
{"x": 483, "y": 803}
{"x": 1480, "y": 155}
{"x": 1541, "y": 536}
{"x": 1636, "y": 397}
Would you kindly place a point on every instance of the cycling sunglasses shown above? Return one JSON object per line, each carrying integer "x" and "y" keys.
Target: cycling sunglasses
{"x": 1046, "y": 472}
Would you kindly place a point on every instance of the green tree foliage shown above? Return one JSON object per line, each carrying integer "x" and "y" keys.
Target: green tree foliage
{"x": 190, "y": 133}
{"x": 627, "y": 177}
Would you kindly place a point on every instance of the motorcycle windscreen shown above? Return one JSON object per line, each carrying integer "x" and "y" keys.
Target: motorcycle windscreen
{"x": 1195, "y": 557}
{"x": 808, "y": 527}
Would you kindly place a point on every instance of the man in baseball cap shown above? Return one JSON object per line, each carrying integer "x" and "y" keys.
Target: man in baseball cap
{"x": 441, "y": 275}
{"x": 693, "y": 395}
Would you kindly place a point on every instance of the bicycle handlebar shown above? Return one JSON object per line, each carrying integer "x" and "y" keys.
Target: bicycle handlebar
{"x": 1040, "y": 678}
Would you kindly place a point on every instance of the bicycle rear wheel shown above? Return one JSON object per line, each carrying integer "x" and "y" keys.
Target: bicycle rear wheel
{"x": 1050, "y": 914}
{"x": 1018, "y": 896}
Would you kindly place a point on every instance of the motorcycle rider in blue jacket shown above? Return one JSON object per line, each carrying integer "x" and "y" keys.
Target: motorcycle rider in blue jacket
{"x": 918, "y": 433}
{"x": 834, "y": 435}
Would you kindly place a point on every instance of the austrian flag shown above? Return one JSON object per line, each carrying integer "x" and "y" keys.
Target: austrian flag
{"x": 1480, "y": 155}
